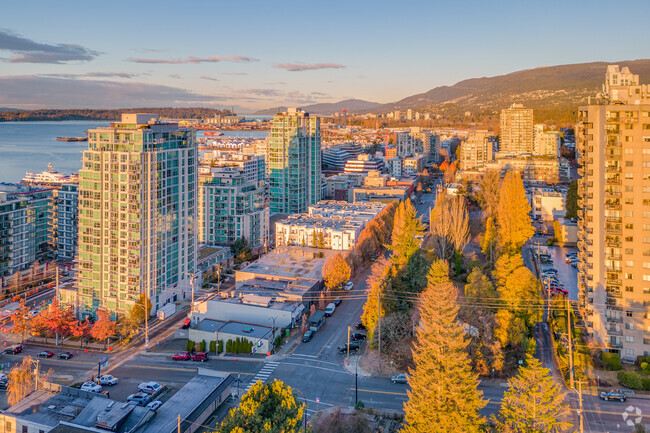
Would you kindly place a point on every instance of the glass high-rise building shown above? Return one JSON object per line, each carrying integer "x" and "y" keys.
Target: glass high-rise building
{"x": 294, "y": 162}
{"x": 137, "y": 214}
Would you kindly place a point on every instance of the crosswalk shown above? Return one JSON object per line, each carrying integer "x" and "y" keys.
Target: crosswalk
{"x": 264, "y": 373}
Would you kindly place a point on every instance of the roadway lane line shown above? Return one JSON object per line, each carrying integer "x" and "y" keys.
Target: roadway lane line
{"x": 325, "y": 346}
{"x": 159, "y": 368}
{"x": 316, "y": 366}
{"x": 380, "y": 392}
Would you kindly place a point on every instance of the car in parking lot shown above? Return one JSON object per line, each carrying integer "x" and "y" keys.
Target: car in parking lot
{"x": 108, "y": 379}
{"x": 307, "y": 336}
{"x": 150, "y": 387}
{"x": 182, "y": 356}
{"x": 559, "y": 290}
{"x": 4, "y": 380}
{"x": 399, "y": 378}
{"x": 356, "y": 336}
{"x": 65, "y": 355}
{"x": 15, "y": 349}
{"x": 200, "y": 356}
{"x": 91, "y": 387}
{"x": 337, "y": 301}
{"x": 614, "y": 394}
{"x": 343, "y": 348}
{"x": 154, "y": 405}
{"x": 349, "y": 285}
{"x": 46, "y": 354}
{"x": 140, "y": 398}
{"x": 359, "y": 325}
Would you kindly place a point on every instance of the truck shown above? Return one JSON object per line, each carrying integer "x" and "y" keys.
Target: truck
{"x": 329, "y": 310}
{"x": 166, "y": 311}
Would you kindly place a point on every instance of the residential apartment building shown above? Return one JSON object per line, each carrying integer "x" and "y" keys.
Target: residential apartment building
{"x": 363, "y": 164}
{"x": 67, "y": 203}
{"x": 412, "y": 165}
{"x": 516, "y": 131}
{"x": 137, "y": 214}
{"x": 544, "y": 170}
{"x": 476, "y": 151}
{"x": 231, "y": 206}
{"x": 24, "y": 227}
{"x": 294, "y": 162}
{"x": 613, "y": 140}
{"x": 251, "y": 165}
{"x": 547, "y": 143}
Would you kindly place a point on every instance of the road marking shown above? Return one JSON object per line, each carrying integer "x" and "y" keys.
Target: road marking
{"x": 159, "y": 368}
{"x": 380, "y": 392}
{"x": 307, "y": 356}
{"x": 325, "y": 346}
{"x": 264, "y": 373}
{"x": 316, "y": 366}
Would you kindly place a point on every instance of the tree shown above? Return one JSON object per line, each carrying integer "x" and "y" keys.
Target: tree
{"x": 487, "y": 194}
{"x": 444, "y": 395}
{"x": 572, "y": 200}
{"x": 20, "y": 319}
{"x": 376, "y": 285}
{"x": 21, "y": 381}
{"x": 242, "y": 250}
{"x": 321, "y": 240}
{"x": 441, "y": 226}
{"x": 58, "y": 320}
{"x": 489, "y": 239}
{"x": 270, "y": 407}
{"x": 514, "y": 225}
{"x": 438, "y": 272}
{"x": 304, "y": 324}
{"x": 104, "y": 327}
{"x": 459, "y": 222}
{"x": 406, "y": 230}
{"x": 81, "y": 330}
{"x": 335, "y": 271}
{"x": 533, "y": 403}
{"x": 479, "y": 288}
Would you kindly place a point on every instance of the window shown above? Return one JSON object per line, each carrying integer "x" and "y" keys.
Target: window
{"x": 628, "y": 326}
{"x": 25, "y": 430}
{"x": 629, "y": 163}
{"x": 629, "y": 352}
{"x": 629, "y": 339}
{"x": 628, "y": 313}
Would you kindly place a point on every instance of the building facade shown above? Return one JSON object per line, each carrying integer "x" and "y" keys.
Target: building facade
{"x": 294, "y": 162}
{"x": 516, "y": 131}
{"x": 231, "y": 206}
{"x": 547, "y": 143}
{"x": 613, "y": 140}
{"x": 476, "y": 151}
{"x": 137, "y": 214}
{"x": 67, "y": 203}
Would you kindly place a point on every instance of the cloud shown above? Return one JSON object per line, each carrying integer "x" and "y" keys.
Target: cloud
{"x": 233, "y": 73}
{"x": 92, "y": 75}
{"x": 178, "y": 77}
{"x": 205, "y": 77}
{"x": 28, "y": 51}
{"x": 297, "y": 67}
{"x": 195, "y": 60}
{"x": 36, "y": 91}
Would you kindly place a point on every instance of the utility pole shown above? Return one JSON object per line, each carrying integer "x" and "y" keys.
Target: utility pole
{"x": 580, "y": 414}
{"x": 179, "y": 423}
{"x": 56, "y": 284}
{"x": 356, "y": 382}
{"x": 568, "y": 321}
{"x": 379, "y": 325}
{"x": 192, "y": 285}
{"x": 347, "y": 360}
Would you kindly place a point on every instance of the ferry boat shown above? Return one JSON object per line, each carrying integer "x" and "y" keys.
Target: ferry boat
{"x": 48, "y": 177}
{"x": 213, "y": 133}
{"x": 72, "y": 138}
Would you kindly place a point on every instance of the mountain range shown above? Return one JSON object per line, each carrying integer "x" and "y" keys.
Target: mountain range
{"x": 351, "y": 105}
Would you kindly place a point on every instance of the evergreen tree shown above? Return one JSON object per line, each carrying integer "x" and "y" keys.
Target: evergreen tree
{"x": 514, "y": 225}
{"x": 444, "y": 395}
{"x": 488, "y": 193}
{"x": 405, "y": 232}
{"x": 376, "y": 286}
{"x": 572, "y": 200}
{"x": 534, "y": 402}
{"x": 438, "y": 272}
{"x": 489, "y": 240}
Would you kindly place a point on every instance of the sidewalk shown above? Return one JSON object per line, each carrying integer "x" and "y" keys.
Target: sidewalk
{"x": 353, "y": 367}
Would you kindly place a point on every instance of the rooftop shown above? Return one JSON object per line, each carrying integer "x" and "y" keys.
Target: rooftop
{"x": 206, "y": 251}
{"x": 209, "y": 325}
{"x": 292, "y": 263}
{"x": 246, "y": 329}
{"x": 48, "y": 407}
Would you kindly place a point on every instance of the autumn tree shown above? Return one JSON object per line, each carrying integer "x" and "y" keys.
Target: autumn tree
{"x": 20, "y": 319}
{"x": 489, "y": 239}
{"x": 242, "y": 250}
{"x": 81, "y": 330}
{"x": 459, "y": 222}
{"x": 513, "y": 221}
{"x": 304, "y": 324}
{"x": 440, "y": 228}
{"x": 406, "y": 230}
{"x": 572, "y": 200}
{"x": 335, "y": 272}
{"x": 487, "y": 194}
{"x": 438, "y": 272}
{"x": 58, "y": 320}
{"x": 375, "y": 287}
{"x": 534, "y": 402}
{"x": 270, "y": 407}
{"x": 21, "y": 381}
{"x": 104, "y": 327}
{"x": 444, "y": 395}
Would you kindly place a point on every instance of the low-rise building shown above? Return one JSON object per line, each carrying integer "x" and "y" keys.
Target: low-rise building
{"x": 412, "y": 165}
{"x": 260, "y": 336}
{"x": 547, "y": 204}
{"x": 363, "y": 164}
{"x": 534, "y": 169}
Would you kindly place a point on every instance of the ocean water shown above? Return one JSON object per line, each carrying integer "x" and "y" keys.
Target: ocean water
{"x": 30, "y": 146}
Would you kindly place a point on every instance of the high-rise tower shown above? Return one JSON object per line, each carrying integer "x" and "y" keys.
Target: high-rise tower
{"x": 516, "y": 131}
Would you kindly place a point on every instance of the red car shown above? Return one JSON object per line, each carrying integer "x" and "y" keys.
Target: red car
{"x": 182, "y": 356}
{"x": 200, "y": 356}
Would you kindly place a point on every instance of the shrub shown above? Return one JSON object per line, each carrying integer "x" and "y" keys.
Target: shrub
{"x": 551, "y": 241}
{"x": 220, "y": 346}
{"x": 630, "y": 379}
{"x": 359, "y": 405}
{"x": 189, "y": 346}
{"x": 213, "y": 346}
{"x": 613, "y": 361}
{"x": 641, "y": 359}
{"x": 202, "y": 346}
{"x": 278, "y": 341}
{"x": 229, "y": 346}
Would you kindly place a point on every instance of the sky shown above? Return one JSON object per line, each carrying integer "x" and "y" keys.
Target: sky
{"x": 254, "y": 55}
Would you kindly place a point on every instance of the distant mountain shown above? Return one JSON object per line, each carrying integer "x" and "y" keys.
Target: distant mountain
{"x": 550, "y": 87}
{"x": 7, "y": 109}
{"x": 352, "y": 105}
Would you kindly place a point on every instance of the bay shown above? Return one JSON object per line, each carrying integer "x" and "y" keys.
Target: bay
{"x": 30, "y": 146}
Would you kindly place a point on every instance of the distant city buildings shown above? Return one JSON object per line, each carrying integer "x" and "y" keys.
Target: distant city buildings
{"x": 476, "y": 151}
{"x": 364, "y": 163}
{"x": 516, "y": 131}
{"x": 547, "y": 143}
{"x": 613, "y": 141}
{"x": 137, "y": 214}
{"x": 294, "y": 162}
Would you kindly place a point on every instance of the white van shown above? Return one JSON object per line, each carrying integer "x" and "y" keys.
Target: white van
{"x": 329, "y": 310}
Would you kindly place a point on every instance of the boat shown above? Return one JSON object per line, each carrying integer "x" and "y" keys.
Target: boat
{"x": 213, "y": 133}
{"x": 72, "y": 138}
{"x": 48, "y": 177}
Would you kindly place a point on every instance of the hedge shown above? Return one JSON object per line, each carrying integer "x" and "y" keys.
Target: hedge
{"x": 189, "y": 346}
{"x": 202, "y": 346}
{"x": 633, "y": 380}
{"x": 613, "y": 360}
{"x": 213, "y": 346}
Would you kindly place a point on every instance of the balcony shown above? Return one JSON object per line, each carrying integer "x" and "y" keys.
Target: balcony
{"x": 614, "y": 282}
{"x": 613, "y": 231}
{"x": 613, "y": 345}
{"x": 613, "y": 169}
{"x": 613, "y": 331}
{"x": 613, "y": 219}
{"x": 614, "y": 294}
{"x": 615, "y": 308}
{"x": 613, "y": 256}
{"x": 612, "y": 194}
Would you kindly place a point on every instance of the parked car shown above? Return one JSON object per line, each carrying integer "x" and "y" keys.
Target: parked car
{"x": 154, "y": 405}
{"x": 200, "y": 356}
{"x": 355, "y": 336}
{"x": 307, "y": 336}
{"x": 575, "y": 264}
{"x": 349, "y": 285}
{"x": 108, "y": 379}
{"x": 359, "y": 325}
{"x": 329, "y": 310}
{"x": 186, "y": 324}
{"x": 337, "y": 301}
{"x": 13, "y": 350}
{"x": 150, "y": 387}
{"x": 343, "y": 348}
{"x": 399, "y": 378}
{"x": 614, "y": 394}
{"x": 91, "y": 387}
{"x": 182, "y": 356}
{"x": 65, "y": 355}
{"x": 46, "y": 354}
{"x": 4, "y": 380}
{"x": 140, "y": 398}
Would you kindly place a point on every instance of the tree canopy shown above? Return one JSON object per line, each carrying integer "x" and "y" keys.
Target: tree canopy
{"x": 572, "y": 200}
{"x": 513, "y": 220}
{"x": 336, "y": 271}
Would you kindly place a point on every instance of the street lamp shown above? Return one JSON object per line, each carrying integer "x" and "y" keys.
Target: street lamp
{"x": 304, "y": 412}
{"x": 146, "y": 322}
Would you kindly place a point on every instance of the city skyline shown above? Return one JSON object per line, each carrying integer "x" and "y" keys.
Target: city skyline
{"x": 315, "y": 54}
